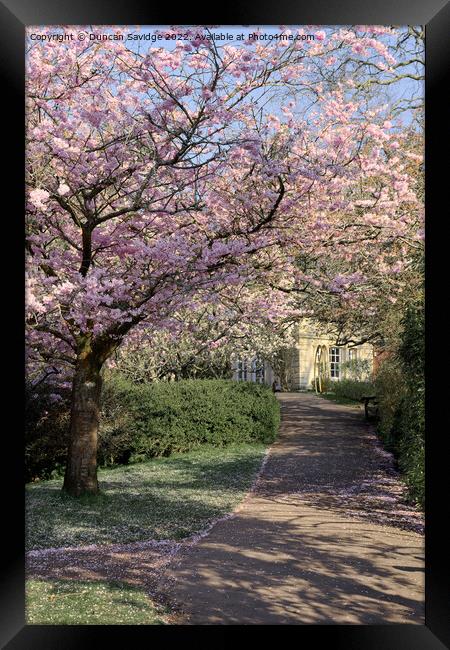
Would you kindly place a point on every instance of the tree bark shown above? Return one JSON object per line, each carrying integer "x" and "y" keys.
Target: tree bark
{"x": 81, "y": 469}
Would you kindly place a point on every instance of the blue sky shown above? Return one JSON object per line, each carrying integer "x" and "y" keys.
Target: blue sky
{"x": 403, "y": 87}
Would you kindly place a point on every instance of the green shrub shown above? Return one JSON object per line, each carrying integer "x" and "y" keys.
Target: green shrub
{"x": 115, "y": 438}
{"x": 326, "y": 384}
{"x": 164, "y": 417}
{"x": 412, "y": 409}
{"x": 139, "y": 421}
{"x": 46, "y": 432}
{"x": 357, "y": 369}
{"x": 352, "y": 389}
{"x": 390, "y": 389}
{"x": 411, "y": 447}
{"x": 400, "y": 387}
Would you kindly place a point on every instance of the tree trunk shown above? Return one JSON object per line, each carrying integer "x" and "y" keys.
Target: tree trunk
{"x": 81, "y": 469}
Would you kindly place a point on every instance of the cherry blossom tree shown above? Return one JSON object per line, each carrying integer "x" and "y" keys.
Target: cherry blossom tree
{"x": 158, "y": 179}
{"x": 206, "y": 339}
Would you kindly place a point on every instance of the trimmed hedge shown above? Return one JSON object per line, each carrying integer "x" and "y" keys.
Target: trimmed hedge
{"x": 140, "y": 421}
{"x": 164, "y": 417}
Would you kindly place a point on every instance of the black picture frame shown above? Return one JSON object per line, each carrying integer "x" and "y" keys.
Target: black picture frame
{"x": 15, "y": 15}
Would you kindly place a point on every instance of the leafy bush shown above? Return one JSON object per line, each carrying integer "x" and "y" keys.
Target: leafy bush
{"x": 352, "y": 389}
{"x": 46, "y": 432}
{"x": 326, "y": 384}
{"x": 357, "y": 369}
{"x": 400, "y": 386}
{"x": 115, "y": 439}
{"x": 411, "y": 417}
{"x": 411, "y": 446}
{"x": 390, "y": 390}
{"x": 164, "y": 417}
{"x": 140, "y": 421}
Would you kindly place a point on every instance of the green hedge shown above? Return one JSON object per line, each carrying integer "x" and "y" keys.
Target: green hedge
{"x": 352, "y": 389}
{"x": 391, "y": 390}
{"x": 400, "y": 384}
{"x": 146, "y": 420}
{"x": 140, "y": 421}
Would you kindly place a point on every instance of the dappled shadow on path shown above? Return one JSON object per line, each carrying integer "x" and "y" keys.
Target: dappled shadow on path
{"x": 325, "y": 538}
{"x": 328, "y": 456}
{"x": 308, "y": 546}
{"x": 284, "y": 567}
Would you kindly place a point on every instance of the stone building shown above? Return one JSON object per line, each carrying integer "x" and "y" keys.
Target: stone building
{"x": 314, "y": 358}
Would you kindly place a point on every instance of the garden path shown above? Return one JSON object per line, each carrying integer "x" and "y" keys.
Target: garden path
{"x": 324, "y": 538}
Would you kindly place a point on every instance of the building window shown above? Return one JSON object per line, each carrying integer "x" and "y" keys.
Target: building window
{"x": 260, "y": 375}
{"x": 242, "y": 370}
{"x": 352, "y": 354}
{"x": 250, "y": 370}
{"x": 253, "y": 370}
{"x": 335, "y": 360}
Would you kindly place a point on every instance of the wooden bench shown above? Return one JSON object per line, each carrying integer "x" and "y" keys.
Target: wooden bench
{"x": 366, "y": 401}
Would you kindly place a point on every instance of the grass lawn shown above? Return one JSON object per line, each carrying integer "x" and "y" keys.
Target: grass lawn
{"x": 341, "y": 400}
{"x": 75, "y": 602}
{"x": 165, "y": 498}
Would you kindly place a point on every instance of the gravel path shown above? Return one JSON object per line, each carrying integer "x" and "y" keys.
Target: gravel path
{"x": 324, "y": 537}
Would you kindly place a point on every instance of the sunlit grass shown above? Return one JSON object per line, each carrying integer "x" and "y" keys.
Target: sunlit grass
{"x": 165, "y": 498}
{"x": 75, "y": 602}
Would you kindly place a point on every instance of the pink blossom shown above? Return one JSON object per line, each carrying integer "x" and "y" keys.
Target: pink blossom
{"x": 63, "y": 189}
{"x": 39, "y": 198}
